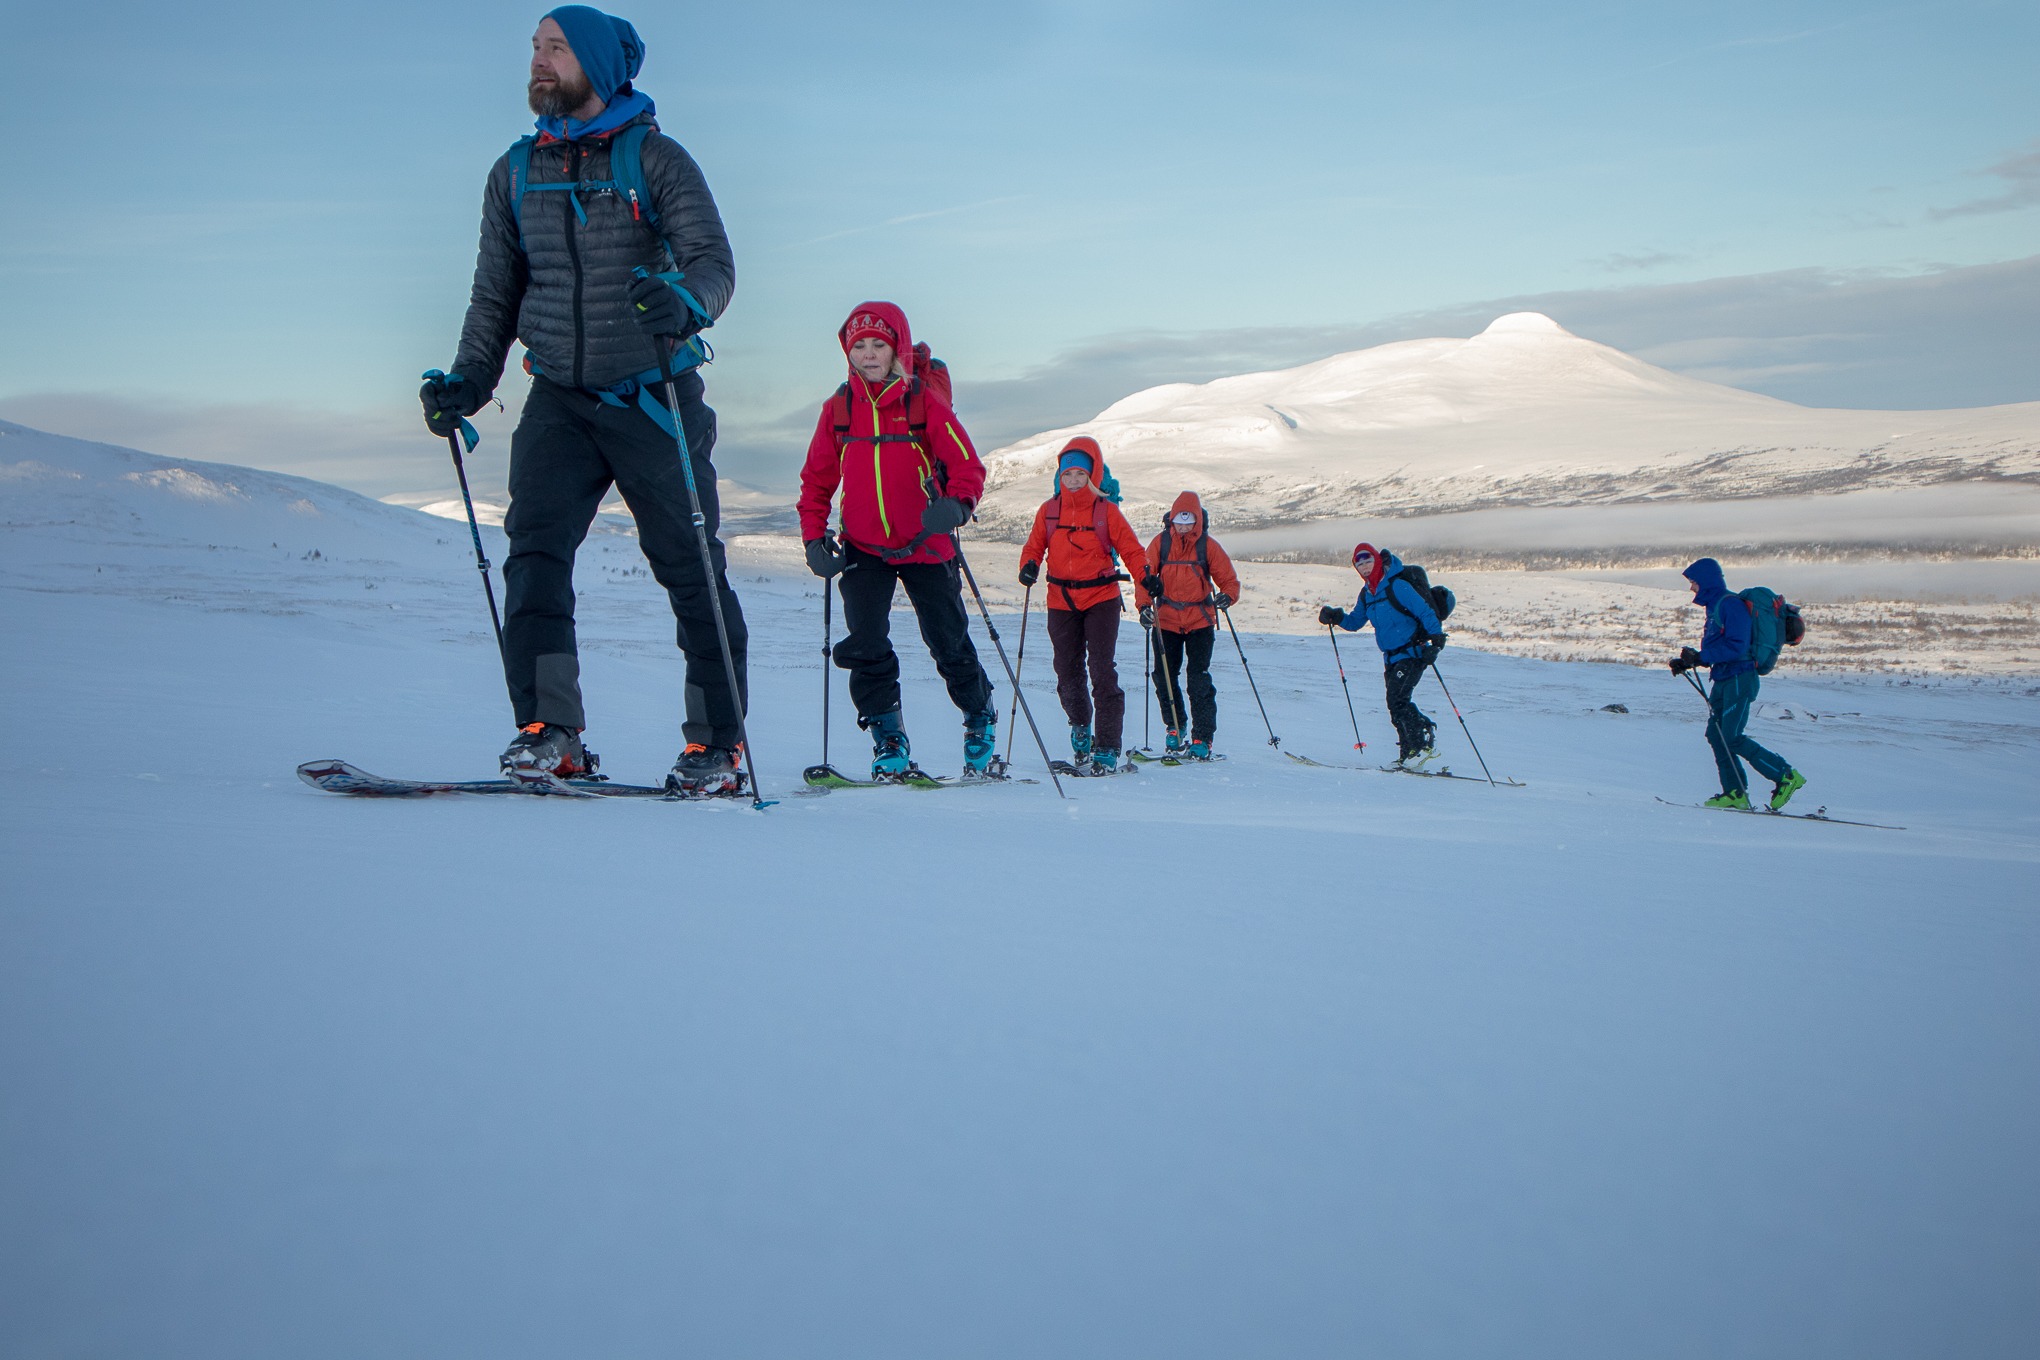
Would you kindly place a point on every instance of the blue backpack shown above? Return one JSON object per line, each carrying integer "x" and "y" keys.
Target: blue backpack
{"x": 626, "y": 181}
{"x": 1775, "y": 624}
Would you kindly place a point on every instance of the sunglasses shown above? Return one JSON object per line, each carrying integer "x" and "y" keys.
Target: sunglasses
{"x": 1186, "y": 519}
{"x": 1364, "y": 557}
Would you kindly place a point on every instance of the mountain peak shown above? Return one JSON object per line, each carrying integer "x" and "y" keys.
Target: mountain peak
{"x": 1526, "y": 323}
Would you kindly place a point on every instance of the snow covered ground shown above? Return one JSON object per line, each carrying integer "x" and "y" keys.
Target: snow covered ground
{"x": 1250, "y": 1059}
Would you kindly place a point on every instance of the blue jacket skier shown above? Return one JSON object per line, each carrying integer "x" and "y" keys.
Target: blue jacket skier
{"x": 1407, "y": 630}
{"x": 1727, "y": 649}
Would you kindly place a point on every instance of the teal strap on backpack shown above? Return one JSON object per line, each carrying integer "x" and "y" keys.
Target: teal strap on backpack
{"x": 626, "y": 179}
{"x": 637, "y": 390}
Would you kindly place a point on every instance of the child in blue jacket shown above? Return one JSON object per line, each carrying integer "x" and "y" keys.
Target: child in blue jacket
{"x": 1726, "y": 646}
{"x": 1406, "y": 629}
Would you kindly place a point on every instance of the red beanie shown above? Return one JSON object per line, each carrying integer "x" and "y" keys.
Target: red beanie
{"x": 869, "y": 320}
{"x": 1374, "y": 568}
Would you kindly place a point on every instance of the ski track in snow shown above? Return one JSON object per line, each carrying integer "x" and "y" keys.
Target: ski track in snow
{"x": 1246, "y": 1059}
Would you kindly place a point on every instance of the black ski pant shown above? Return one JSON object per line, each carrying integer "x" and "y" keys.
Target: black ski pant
{"x": 569, "y": 449}
{"x": 1412, "y": 729}
{"x": 1084, "y": 640}
{"x": 1729, "y": 702}
{"x": 935, "y": 589}
{"x": 1187, "y": 656}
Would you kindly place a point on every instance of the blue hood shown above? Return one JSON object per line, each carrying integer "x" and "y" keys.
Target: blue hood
{"x": 1706, "y": 573}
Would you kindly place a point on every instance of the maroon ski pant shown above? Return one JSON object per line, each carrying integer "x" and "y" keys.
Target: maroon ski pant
{"x": 1085, "y": 639}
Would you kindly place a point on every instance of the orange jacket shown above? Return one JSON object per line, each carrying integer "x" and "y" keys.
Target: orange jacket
{"x": 1186, "y": 585}
{"x": 1080, "y": 571}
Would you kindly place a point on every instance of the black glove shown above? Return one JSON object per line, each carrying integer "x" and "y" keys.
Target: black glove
{"x": 1436, "y": 642}
{"x": 1030, "y": 572}
{"x": 656, "y": 307}
{"x": 825, "y": 557}
{"x": 1222, "y": 600}
{"x": 944, "y": 515}
{"x": 1685, "y": 661}
{"x": 448, "y": 399}
{"x": 1330, "y": 614}
{"x": 1147, "y": 616}
{"x": 1152, "y": 584}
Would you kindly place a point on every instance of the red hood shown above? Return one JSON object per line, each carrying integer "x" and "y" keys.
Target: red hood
{"x": 1187, "y": 501}
{"x": 889, "y": 318}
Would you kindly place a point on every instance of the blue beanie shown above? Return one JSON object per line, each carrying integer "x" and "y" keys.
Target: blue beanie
{"x": 1074, "y": 458}
{"x": 608, "y": 48}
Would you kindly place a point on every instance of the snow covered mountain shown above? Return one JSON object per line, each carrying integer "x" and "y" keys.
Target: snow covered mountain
{"x": 1250, "y": 1058}
{"x": 1523, "y": 414}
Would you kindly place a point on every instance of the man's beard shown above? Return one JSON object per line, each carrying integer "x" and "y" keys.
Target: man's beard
{"x": 560, "y": 98}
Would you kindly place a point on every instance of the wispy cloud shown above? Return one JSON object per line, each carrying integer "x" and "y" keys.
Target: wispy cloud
{"x": 904, "y": 218}
{"x": 1622, "y": 264}
{"x": 2020, "y": 171}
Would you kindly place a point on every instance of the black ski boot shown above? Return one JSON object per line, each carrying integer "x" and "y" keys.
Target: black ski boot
{"x": 548, "y": 748}
{"x": 706, "y": 771}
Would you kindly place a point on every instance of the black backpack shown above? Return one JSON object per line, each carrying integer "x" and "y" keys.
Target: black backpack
{"x": 1442, "y": 600}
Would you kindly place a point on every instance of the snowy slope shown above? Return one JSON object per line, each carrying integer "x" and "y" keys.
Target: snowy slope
{"x": 1251, "y": 1059}
{"x": 1523, "y": 414}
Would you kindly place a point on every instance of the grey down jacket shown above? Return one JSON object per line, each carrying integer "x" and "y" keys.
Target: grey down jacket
{"x": 563, "y": 291}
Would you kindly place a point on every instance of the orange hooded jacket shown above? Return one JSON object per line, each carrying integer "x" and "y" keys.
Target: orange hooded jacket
{"x": 1185, "y": 585}
{"x": 1079, "y": 569}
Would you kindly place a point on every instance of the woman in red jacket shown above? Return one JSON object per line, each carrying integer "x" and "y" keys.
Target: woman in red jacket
{"x": 1078, "y": 530}
{"x": 1197, "y": 580}
{"x": 909, "y": 479}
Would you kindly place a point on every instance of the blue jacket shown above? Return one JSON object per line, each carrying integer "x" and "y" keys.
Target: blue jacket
{"x": 1397, "y": 634}
{"x": 1725, "y": 645}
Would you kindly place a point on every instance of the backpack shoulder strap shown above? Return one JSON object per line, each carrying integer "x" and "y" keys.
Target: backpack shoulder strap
{"x": 841, "y": 401}
{"x": 519, "y": 157}
{"x": 1388, "y": 593}
{"x": 917, "y": 411}
{"x": 627, "y": 169}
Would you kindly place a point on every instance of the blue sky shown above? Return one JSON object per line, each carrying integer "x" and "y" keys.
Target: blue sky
{"x": 241, "y": 231}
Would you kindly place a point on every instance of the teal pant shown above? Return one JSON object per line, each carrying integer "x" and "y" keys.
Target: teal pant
{"x": 1730, "y": 703}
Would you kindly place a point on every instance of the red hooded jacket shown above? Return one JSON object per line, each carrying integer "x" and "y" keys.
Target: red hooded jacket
{"x": 882, "y": 468}
{"x": 1185, "y": 585}
{"x": 1077, "y": 553}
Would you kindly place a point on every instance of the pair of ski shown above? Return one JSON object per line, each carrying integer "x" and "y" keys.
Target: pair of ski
{"x": 1819, "y": 814}
{"x": 823, "y": 778}
{"x": 1439, "y": 773}
{"x": 337, "y": 776}
{"x": 1170, "y": 758}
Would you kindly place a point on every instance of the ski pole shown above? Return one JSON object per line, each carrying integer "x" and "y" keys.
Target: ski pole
{"x": 1462, "y": 722}
{"x": 1147, "y": 731}
{"x": 453, "y": 441}
{"x": 1019, "y": 665}
{"x": 828, "y": 654}
{"x": 1169, "y": 681}
{"x": 1011, "y": 676}
{"x": 1357, "y": 743}
{"x": 1714, "y": 722}
{"x": 1273, "y": 740}
{"x": 714, "y": 581}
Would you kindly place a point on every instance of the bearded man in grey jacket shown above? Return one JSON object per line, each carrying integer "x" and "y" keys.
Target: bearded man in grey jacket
{"x": 592, "y": 281}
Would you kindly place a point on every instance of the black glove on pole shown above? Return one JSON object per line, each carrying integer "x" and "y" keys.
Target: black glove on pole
{"x": 1030, "y": 572}
{"x": 722, "y": 628}
{"x": 944, "y": 515}
{"x": 825, "y": 558}
{"x": 1330, "y": 615}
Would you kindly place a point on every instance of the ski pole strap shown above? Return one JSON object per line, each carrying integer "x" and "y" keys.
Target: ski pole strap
{"x": 467, "y": 431}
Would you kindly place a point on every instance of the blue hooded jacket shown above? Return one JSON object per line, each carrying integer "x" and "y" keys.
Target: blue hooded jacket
{"x": 1725, "y": 645}
{"x": 1397, "y": 634}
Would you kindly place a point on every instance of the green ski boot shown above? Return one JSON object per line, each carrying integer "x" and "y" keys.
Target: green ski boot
{"x": 1734, "y": 802}
{"x": 1792, "y": 783}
